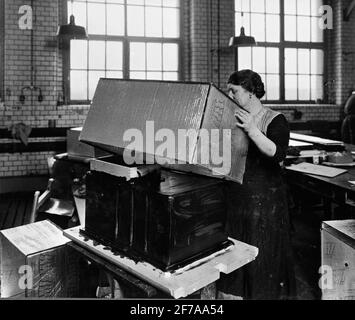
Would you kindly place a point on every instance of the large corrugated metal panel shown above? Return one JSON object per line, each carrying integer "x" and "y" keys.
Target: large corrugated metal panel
{"x": 121, "y": 105}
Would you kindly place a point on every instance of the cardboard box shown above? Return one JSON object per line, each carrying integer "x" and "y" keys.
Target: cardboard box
{"x": 338, "y": 260}
{"x": 79, "y": 150}
{"x": 37, "y": 262}
{"x": 124, "y": 107}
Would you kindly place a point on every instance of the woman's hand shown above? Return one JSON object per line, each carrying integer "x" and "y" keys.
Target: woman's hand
{"x": 246, "y": 121}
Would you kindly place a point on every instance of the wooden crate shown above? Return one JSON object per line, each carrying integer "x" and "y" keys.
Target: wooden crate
{"x": 338, "y": 260}
{"x": 36, "y": 262}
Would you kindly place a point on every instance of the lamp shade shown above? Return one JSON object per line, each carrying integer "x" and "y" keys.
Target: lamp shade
{"x": 71, "y": 31}
{"x": 242, "y": 40}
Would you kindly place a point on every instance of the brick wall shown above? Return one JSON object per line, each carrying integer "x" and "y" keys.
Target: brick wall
{"x": 37, "y": 48}
{"x": 203, "y": 32}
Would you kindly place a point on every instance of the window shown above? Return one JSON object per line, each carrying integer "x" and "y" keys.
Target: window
{"x": 289, "y": 55}
{"x": 131, "y": 39}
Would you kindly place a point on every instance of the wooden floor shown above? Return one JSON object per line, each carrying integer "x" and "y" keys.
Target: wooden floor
{"x": 15, "y": 209}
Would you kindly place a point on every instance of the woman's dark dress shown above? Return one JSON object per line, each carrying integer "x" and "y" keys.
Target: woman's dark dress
{"x": 258, "y": 215}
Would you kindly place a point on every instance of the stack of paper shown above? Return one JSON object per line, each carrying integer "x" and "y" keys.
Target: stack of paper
{"x": 310, "y": 168}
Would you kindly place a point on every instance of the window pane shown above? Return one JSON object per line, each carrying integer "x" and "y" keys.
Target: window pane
{"x": 153, "y": 2}
{"x": 304, "y": 7}
{"x": 317, "y": 61}
{"x": 238, "y": 23}
{"x": 304, "y": 91}
{"x": 291, "y": 61}
{"x": 272, "y": 87}
{"x": 171, "y": 23}
{"x": 115, "y": 20}
{"x": 291, "y": 87}
{"x": 153, "y": 18}
{"x": 114, "y": 74}
{"x": 78, "y": 85}
{"x": 154, "y": 76}
{"x": 246, "y": 5}
{"x": 171, "y": 3}
{"x": 245, "y": 22}
{"x": 304, "y": 29}
{"x": 137, "y": 56}
{"x": 242, "y": 21}
{"x": 317, "y": 32}
{"x": 257, "y": 6}
{"x": 290, "y": 6}
{"x": 94, "y": 77}
{"x": 290, "y": 28}
{"x": 137, "y": 75}
{"x": 238, "y": 5}
{"x": 258, "y": 26}
{"x": 263, "y": 79}
{"x": 141, "y": 2}
{"x": 304, "y": 61}
{"x": 170, "y": 57}
{"x": 79, "y": 12}
{"x": 272, "y": 60}
{"x": 272, "y": 28}
{"x": 114, "y": 55}
{"x": 244, "y": 58}
{"x": 315, "y": 6}
{"x": 170, "y": 76}
{"x": 97, "y": 55}
{"x": 259, "y": 60}
{"x": 135, "y": 21}
{"x": 154, "y": 56}
{"x": 115, "y": 1}
{"x": 272, "y": 6}
{"x": 317, "y": 87}
{"x": 96, "y": 16}
{"x": 78, "y": 54}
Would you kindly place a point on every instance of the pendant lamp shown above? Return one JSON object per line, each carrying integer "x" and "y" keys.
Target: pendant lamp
{"x": 71, "y": 30}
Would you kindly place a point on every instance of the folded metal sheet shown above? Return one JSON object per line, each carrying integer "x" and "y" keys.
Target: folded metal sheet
{"x": 122, "y": 109}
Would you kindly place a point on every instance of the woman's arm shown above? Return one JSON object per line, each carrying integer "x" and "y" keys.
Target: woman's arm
{"x": 275, "y": 144}
{"x": 264, "y": 144}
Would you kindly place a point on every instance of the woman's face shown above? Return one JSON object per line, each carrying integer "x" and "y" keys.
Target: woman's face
{"x": 239, "y": 95}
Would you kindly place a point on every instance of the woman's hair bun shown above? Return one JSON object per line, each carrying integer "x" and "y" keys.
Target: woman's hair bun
{"x": 249, "y": 80}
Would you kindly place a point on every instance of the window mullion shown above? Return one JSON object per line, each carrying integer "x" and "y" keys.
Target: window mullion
{"x": 105, "y": 71}
{"x": 125, "y": 43}
{"x": 282, "y": 51}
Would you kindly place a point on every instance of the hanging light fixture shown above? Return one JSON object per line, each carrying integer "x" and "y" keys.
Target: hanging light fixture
{"x": 71, "y": 30}
{"x": 242, "y": 40}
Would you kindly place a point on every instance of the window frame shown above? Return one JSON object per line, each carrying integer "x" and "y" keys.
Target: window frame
{"x": 282, "y": 45}
{"x": 126, "y": 40}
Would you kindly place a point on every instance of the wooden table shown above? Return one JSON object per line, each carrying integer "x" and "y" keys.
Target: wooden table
{"x": 200, "y": 275}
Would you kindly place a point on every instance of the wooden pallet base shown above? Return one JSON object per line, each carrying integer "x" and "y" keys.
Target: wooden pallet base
{"x": 182, "y": 282}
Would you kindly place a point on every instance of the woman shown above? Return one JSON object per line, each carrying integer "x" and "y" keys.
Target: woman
{"x": 258, "y": 211}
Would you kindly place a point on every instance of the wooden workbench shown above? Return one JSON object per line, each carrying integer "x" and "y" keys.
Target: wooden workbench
{"x": 336, "y": 190}
{"x": 180, "y": 283}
